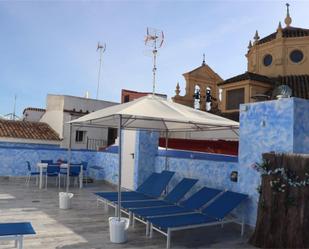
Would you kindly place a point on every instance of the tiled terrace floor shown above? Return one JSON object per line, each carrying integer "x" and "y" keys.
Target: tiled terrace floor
{"x": 85, "y": 226}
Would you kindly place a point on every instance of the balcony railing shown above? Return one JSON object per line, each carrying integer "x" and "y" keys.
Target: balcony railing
{"x": 95, "y": 144}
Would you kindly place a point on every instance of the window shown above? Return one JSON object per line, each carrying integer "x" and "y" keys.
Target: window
{"x": 126, "y": 98}
{"x": 296, "y": 56}
{"x": 80, "y": 136}
{"x": 268, "y": 59}
{"x": 234, "y": 98}
{"x": 197, "y": 98}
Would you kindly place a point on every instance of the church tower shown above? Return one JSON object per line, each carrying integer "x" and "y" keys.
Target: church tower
{"x": 201, "y": 87}
{"x": 281, "y": 58}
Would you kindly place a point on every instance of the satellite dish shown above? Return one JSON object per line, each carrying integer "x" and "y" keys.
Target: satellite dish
{"x": 282, "y": 91}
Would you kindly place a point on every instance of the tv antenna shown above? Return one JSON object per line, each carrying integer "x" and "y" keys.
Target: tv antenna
{"x": 101, "y": 48}
{"x": 12, "y": 115}
{"x": 154, "y": 38}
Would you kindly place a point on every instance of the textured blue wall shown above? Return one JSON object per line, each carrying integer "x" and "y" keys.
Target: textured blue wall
{"x": 13, "y": 159}
{"x": 106, "y": 167}
{"x": 280, "y": 126}
{"x": 145, "y": 154}
{"x": 301, "y": 126}
{"x": 210, "y": 173}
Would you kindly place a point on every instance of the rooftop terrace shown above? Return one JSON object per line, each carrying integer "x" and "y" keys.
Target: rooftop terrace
{"x": 86, "y": 226}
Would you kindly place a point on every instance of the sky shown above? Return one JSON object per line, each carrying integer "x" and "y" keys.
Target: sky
{"x": 49, "y": 47}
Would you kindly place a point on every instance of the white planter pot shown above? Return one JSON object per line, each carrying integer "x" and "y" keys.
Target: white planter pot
{"x": 65, "y": 200}
{"x": 118, "y": 229}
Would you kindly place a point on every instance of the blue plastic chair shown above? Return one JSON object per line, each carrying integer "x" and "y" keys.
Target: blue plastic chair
{"x": 47, "y": 161}
{"x": 52, "y": 170}
{"x": 75, "y": 170}
{"x": 85, "y": 171}
{"x": 16, "y": 232}
{"x": 31, "y": 173}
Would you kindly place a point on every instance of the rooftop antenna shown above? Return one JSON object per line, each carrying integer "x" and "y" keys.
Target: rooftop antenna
{"x": 154, "y": 38}
{"x": 12, "y": 115}
{"x": 101, "y": 48}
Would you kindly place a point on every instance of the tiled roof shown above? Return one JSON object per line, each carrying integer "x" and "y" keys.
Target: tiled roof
{"x": 298, "y": 83}
{"x": 248, "y": 76}
{"x": 288, "y": 32}
{"x": 33, "y": 109}
{"x": 27, "y": 130}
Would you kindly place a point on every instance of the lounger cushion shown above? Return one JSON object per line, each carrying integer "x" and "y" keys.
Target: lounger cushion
{"x": 180, "y": 220}
{"x": 172, "y": 198}
{"x": 157, "y": 211}
{"x": 224, "y": 204}
{"x": 194, "y": 202}
{"x": 141, "y": 204}
{"x": 124, "y": 197}
{"x": 20, "y": 228}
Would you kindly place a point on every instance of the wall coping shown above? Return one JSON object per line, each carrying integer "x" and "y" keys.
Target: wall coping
{"x": 42, "y": 148}
{"x": 197, "y": 155}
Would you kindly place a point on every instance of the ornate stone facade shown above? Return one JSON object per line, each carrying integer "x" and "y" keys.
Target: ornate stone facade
{"x": 200, "y": 78}
{"x": 281, "y": 58}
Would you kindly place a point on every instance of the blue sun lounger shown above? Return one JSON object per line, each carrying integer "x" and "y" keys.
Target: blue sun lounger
{"x": 152, "y": 188}
{"x": 194, "y": 202}
{"x": 16, "y": 232}
{"x": 174, "y": 196}
{"x": 190, "y": 205}
{"x": 215, "y": 213}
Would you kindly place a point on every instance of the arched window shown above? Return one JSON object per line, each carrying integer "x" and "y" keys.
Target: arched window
{"x": 197, "y": 98}
{"x": 208, "y": 99}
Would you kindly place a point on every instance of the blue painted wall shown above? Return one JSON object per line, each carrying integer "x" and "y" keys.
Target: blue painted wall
{"x": 146, "y": 148}
{"x": 105, "y": 167}
{"x": 301, "y": 126}
{"x": 280, "y": 126}
{"x": 13, "y": 159}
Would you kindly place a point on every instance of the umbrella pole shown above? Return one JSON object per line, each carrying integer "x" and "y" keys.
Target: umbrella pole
{"x": 166, "y": 145}
{"x": 119, "y": 168}
{"x": 69, "y": 159}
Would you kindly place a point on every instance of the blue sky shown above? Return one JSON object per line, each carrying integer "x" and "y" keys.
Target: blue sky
{"x": 50, "y": 46}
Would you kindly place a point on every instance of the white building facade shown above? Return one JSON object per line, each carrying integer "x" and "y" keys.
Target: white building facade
{"x": 61, "y": 109}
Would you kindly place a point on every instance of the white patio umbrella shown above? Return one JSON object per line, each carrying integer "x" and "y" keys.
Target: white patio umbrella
{"x": 156, "y": 114}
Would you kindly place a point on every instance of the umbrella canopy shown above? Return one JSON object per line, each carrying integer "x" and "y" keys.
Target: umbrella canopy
{"x": 154, "y": 113}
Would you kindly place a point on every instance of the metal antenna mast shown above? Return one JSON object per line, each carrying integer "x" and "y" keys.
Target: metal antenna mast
{"x": 101, "y": 48}
{"x": 12, "y": 116}
{"x": 154, "y": 38}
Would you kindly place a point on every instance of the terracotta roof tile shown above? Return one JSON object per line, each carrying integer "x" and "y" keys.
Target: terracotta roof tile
{"x": 288, "y": 32}
{"x": 27, "y": 130}
{"x": 298, "y": 83}
{"x": 248, "y": 76}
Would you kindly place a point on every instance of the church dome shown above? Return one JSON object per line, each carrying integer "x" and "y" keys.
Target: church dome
{"x": 288, "y": 32}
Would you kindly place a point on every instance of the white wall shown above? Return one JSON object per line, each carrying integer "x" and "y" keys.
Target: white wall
{"x": 33, "y": 115}
{"x": 91, "y": 133}
{"x": 54, "y": 113}
{"x": 61, "y": 109}
{"x": 84, "y": 104}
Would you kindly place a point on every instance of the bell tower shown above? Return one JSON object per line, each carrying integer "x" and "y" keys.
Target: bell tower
{"x": 200, "y": 84}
